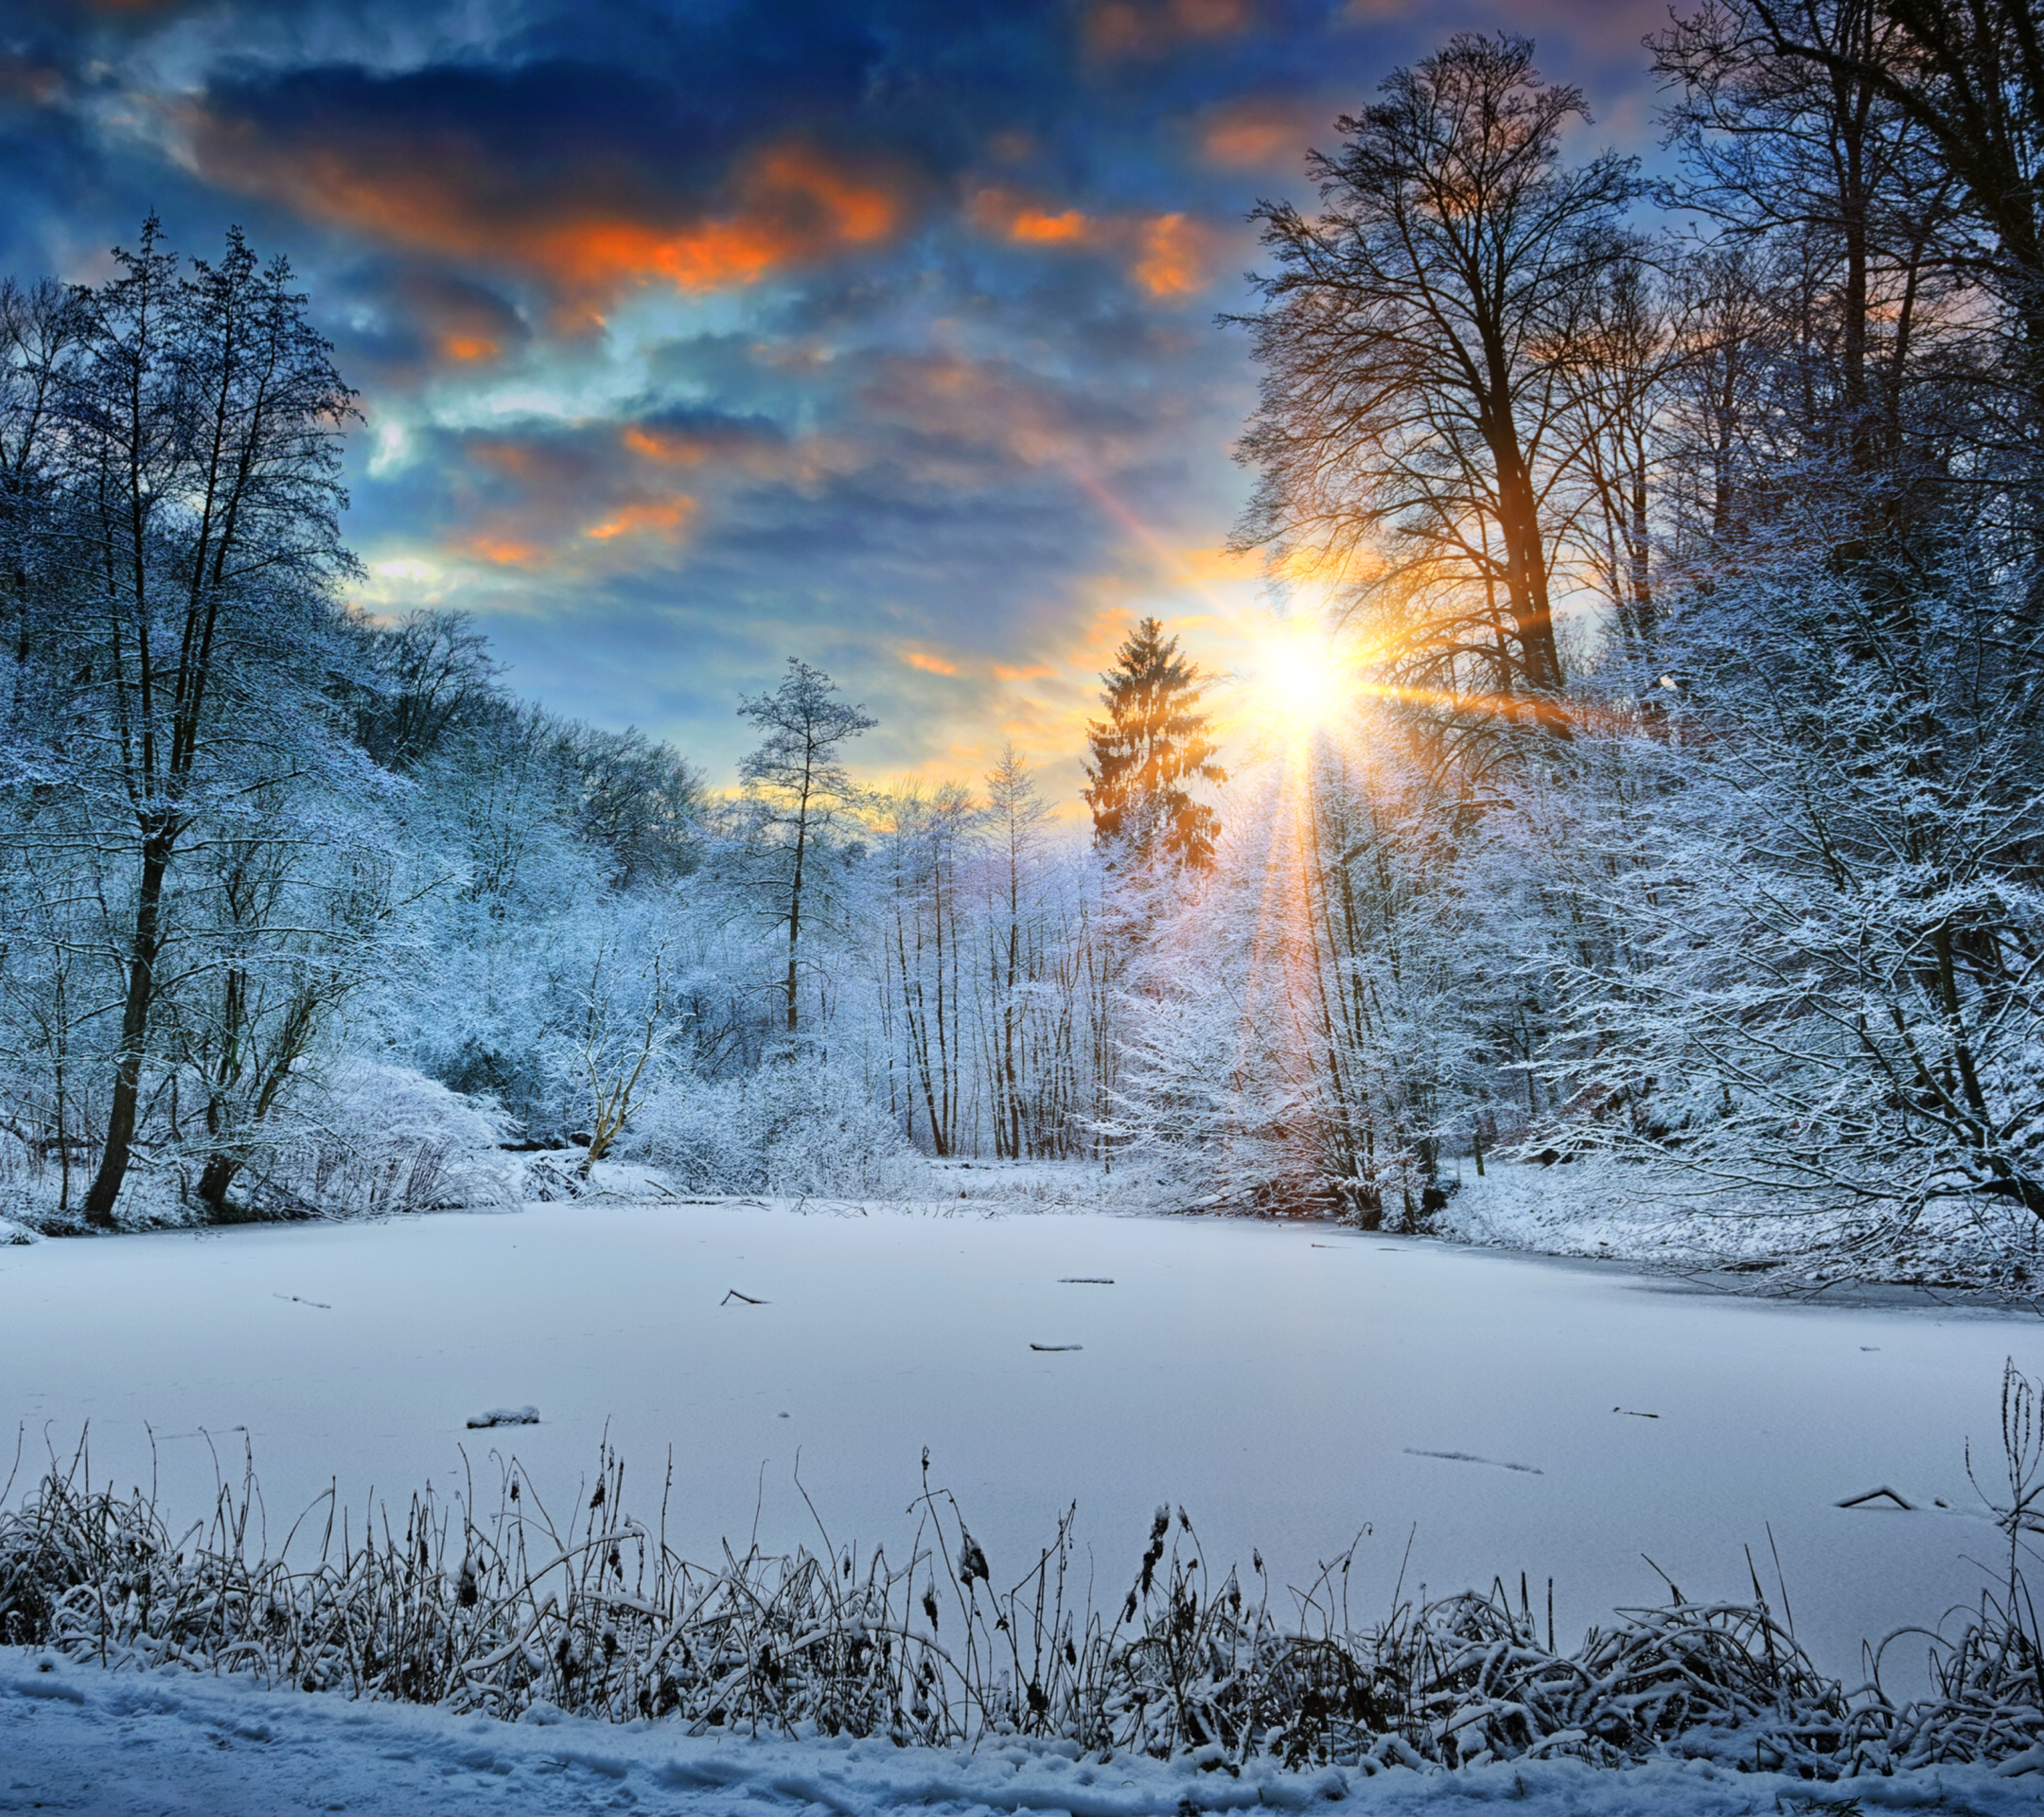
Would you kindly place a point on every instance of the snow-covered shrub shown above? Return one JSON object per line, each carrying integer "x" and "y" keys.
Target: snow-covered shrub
{"x": 371, "y": 1140}
{"x": 796, "y": 1126}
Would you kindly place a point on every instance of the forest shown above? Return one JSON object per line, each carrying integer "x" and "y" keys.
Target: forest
{"x": 1676, "y": 541}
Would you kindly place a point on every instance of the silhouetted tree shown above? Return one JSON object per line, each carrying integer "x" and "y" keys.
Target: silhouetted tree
{"x": 1411, "y": 435}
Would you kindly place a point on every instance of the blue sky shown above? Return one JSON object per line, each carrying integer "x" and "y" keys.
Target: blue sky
{"x": 692, "y": 337}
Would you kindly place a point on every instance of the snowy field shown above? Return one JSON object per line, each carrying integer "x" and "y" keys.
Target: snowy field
{"x": 84, "y": 1741}
{"x": 1290, "y": 1385}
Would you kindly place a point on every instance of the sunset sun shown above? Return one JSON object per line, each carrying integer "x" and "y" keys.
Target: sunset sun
{"x": 1298, "y": 681}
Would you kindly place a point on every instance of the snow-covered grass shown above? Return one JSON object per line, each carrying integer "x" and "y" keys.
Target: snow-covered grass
{"x": 518, "y": 1610}
{"x": 167, "y": 1744}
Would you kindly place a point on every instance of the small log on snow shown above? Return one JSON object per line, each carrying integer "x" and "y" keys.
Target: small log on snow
{"x": 504, "y": 1416}
{"x": 1057, "y": 1347}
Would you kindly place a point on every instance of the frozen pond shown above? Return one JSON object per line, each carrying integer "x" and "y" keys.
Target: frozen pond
{"x": 1288, "y": 1385}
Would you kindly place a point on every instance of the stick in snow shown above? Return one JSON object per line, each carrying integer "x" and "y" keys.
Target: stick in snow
{"x": 1057, "y": 1347}
{"x": 1875, "y": 1495}
{"x": 505, "y": 1417}
{"x": 1085, "y": 1281}
{"x": 294, "y": 1300}
{"x": 1630, "y": 1415}
{"x": 734, "y": 1293}
{"x": 1468, "y": 1457}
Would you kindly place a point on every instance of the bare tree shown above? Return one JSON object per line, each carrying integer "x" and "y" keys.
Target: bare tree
{"x": 1820, "y": 157}
{"x": 1970, "y": 77}
{"x": 203, "y": 422}
{"x": 1413, "y": 351}
{"x": 798, "y": 786}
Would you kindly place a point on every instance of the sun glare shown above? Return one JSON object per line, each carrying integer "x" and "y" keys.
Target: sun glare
{"x": 1299, "y": 682}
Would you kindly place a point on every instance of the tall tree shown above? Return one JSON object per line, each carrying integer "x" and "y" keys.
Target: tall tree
{"x": 203, "y": 415}
{"x": 1152, "y": 742}
{"x": 1414, "y": 362}
{"x": 798, "y": 784}
{"x": 1969, "y": 74}
{"x": 1821, "y": 159}
{"x": 1015, "y": 813}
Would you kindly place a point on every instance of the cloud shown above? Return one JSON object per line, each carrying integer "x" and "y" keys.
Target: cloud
{"x": 550, "y": 499}
{"x": 26, "y": 83}
{"x": 520, "y": 172}
{"x": 1112, "y": 28}
{"x": 1263, "y": 131}
{"x": 1168, "y": 256}
{"x": 663, "y": 518}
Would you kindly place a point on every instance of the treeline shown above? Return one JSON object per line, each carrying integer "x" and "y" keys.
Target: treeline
{"x": 1695, "y": 578}
{"x": 1683, "y": 545}
{"x": 245, "y": 827}
{"x": 302, "y": 914}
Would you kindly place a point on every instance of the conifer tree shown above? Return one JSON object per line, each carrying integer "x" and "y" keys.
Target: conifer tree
{"x": 1152, "y": 742}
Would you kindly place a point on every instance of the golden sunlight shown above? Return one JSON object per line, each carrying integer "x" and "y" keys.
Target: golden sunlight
{"x": 1298, "y": 680}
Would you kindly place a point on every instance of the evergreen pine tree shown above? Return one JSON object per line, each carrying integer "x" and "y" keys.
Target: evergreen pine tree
{"x": 1153, "y": 741}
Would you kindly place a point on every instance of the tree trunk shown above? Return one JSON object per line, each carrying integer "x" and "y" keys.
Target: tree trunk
{"x": 1526, "y": 574}
{"x": 220, "y": 1173}
{"x": 794, "y": 919}
{"x": 127, "y": 1095}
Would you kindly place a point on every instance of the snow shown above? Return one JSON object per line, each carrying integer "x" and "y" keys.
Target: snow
{"x": 1594, "y": 1206}
{"x": 167, "y": 1743}
{"x": 1289, "y": 1385}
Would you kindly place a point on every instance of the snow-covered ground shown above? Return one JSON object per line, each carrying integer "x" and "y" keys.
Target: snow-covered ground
{"x": 168, "y": 1744}
{"x": 1289, "y": 1385}
{"x": 73, "y": 1739}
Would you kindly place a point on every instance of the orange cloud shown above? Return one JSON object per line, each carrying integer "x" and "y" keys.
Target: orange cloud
{"x": 671, "y": 448}
{"x": 1036, "y": 229}
{"x": 1166, "y": 253}
{"x": 785, "y": 203}
{"x": 1035, "y": 673}
{"x": 664, "y": 518}
{"x": 929, "y": 664}
{"x": 1140, "y": 27}
{"x": 1015, "y": 218}
{"x": 793, "y": 208}
{"x": 469, "y": 347}
{"x": 1258, "y": 133}
{"x": 1171, "y": 264}
{"x": 505, "y": 551}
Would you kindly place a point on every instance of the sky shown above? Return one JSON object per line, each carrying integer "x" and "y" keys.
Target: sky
{"x": 693, "y": 337}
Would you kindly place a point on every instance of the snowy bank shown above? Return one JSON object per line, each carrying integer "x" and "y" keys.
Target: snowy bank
{"x": 110, "y": 1745}
{"x": 1593, "y": 1206}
